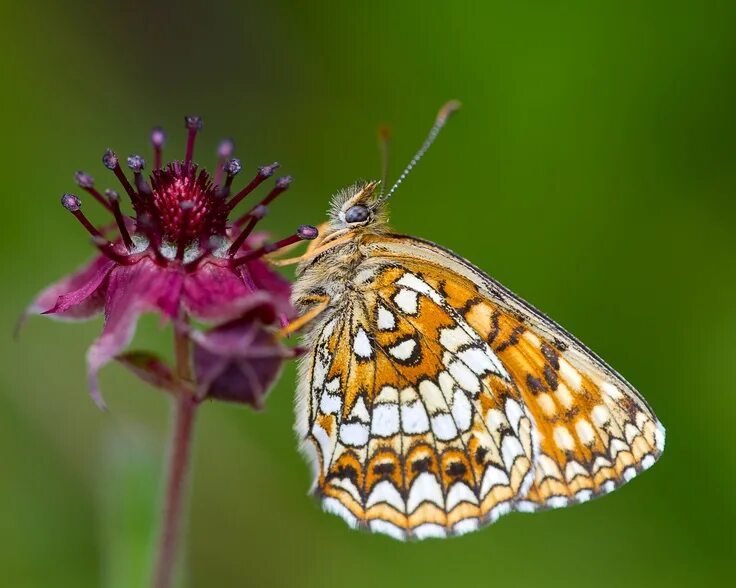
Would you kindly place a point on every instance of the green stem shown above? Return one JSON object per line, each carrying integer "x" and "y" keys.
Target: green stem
{"x": 178, "y": 470}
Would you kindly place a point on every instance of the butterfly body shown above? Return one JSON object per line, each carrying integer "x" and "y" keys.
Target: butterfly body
{"x": 434, "y": 400}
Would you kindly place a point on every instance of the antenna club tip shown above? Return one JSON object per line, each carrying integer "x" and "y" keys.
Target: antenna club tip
{"x": 384, "y": 133}
{"x": 447, "y": 110}
{"x": 307, "y": 232}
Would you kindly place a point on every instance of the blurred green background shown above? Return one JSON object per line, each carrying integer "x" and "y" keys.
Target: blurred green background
{"x": 591, "y": 170}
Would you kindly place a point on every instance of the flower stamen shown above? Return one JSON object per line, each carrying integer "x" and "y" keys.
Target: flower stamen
{"x": 109, "y": 251}
{"x": 224, "y": 152}
{"x": 74, "y": 205}
{"x": 87, "y": 183}
{"x": 258, "y": 213}
{"x": 231, "y": 168}
{"x": 114, "y": 201}
{"x": 193, "y": 124}
{"x": 158, "y": 138}
{"x": 264, "y": 172}
{"x": 303, "y": 233}
{"x": 137, "y": 164}
{"x": 282, "y": 184}
{"x": 110, "y": 161}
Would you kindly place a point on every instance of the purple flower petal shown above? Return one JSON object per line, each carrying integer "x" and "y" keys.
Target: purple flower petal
{"x": 240, "y": 360}
{"x": 131, "y": 290}
{"x": 267, "y": 279}
{"x": 78, "y": 296}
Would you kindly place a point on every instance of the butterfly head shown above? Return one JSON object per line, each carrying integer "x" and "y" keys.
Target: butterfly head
{"x": 358, "y": 207}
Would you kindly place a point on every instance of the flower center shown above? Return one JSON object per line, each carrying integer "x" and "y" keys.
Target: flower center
{"x": 182, "y": 214}
{"x": 185, "y": 204}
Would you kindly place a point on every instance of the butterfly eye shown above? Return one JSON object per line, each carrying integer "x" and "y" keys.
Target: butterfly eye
{"x": 356, "y": 214}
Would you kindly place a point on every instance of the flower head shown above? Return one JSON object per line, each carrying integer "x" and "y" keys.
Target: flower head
{"x": 180, "y": 253}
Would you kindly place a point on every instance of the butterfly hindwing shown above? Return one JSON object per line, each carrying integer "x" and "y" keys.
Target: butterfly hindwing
{"x": 419, "y": 430}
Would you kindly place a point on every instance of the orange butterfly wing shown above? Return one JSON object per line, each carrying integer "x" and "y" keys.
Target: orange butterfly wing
{"x": 435, "y": 401}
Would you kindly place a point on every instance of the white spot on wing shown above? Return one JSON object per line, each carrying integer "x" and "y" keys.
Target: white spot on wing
{"x": 385, "y": 419}
{"x": 386, "y": 492}
{"x": 462, "y": 410}
{"x": 414, "y": 419}
{"x": 334, "y": 506}
{"x": 386, "y": 528}
{"x": 477, "y": 360}
{"x": 563, "y": 438}
{"x": 647, "y": 462}
{"x": 330, "y": 404}
{"x": 557, "y": 501}
{"x": 362, "y": 345}
{"x": 416, "y": 283}
{"x": 601, "y": 415}
{"x": 429, "y": 530}
{"x": 325, "y": 444}
{"x": 403, "y": 350}
{"x": 388, "y": 394}
{"x": 425, "y": 488}
{"x": 453, "y": 339}
{"x": 585, "y": 432}
{"x": 431, "y": 396}
{"x": 570, "y": 374}
{"x": 359, "y": 411}
{"x": 386, "y": 319}
{"x": 407, "y": 301}
{"x": 510, "y": 450}
{"x": 617, "y": 445}
{"x": 493, "y": 476}
{"x": 513, "y": 414}
{"x": 354, "y": 434}
{"x": 466, "y": 526}
{"x": 443, "y": 426}
{"x": 466, "y": 379}
{"x": 460, "y": 492}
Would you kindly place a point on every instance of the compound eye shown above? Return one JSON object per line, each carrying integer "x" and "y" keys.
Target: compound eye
{"x": 357, "y": 214}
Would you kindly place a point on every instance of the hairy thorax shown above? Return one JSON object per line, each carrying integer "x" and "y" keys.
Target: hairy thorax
{"x": 330, "y": 275}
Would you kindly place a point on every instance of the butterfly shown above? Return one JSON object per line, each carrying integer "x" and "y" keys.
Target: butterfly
{"x": 432, "y": 400}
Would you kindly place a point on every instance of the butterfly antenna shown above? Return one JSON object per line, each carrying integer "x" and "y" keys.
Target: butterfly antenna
{"x": 384, "y": 137}
{"x": 442, "y": 116}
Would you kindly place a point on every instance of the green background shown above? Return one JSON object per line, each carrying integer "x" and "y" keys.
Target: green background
{"x": 591, "y": 170}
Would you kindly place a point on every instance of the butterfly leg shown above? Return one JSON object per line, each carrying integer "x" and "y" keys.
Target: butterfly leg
{"x": 313, "y": 252}
{"x": 313, "y": 244}
{"x": 320, "y": 304}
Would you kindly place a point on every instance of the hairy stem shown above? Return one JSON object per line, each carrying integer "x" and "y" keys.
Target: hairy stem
{"x": 178, "y": 469}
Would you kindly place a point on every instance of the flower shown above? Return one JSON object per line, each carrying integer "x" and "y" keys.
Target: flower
{"x": 239, "y": 360}
{"x": 179, "y": 254}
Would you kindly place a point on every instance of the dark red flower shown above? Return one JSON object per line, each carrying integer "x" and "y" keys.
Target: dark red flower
{"x": 179, "y": 254}
{"x": 239, "y": 360}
